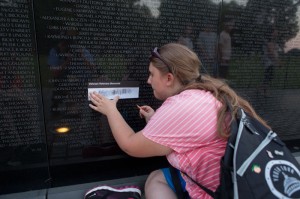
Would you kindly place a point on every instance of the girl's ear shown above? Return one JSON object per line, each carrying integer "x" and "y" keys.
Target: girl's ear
{"x": 170, "y": 79}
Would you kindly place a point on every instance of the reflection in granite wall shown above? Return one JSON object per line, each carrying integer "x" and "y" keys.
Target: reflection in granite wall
{"x": 50, "y": 50}
{"x": 89, "y": 41}
{"x": 22, "y": 137}
{"x": 264, "y": 58}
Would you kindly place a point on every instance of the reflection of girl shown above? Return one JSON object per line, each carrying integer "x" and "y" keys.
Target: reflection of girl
{"x": 59, "y": 58}
{"x": 270, "y": 57}
{"x": 190, "y": 127}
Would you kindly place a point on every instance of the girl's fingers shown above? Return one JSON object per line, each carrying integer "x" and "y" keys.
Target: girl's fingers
{"x": 141, "y": 116}
{"x": 92, "y": 106}
{"x": 95, "y": 101}
{"x": 96, "y": 95}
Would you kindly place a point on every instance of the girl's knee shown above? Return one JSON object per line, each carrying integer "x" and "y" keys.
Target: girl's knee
{"x": 155, "y": 177}
{"x": 157, "y": 187}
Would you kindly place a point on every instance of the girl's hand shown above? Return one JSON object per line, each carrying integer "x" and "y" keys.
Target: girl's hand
{"x": 146, "y": 112}
{"x": 103, "y": 104}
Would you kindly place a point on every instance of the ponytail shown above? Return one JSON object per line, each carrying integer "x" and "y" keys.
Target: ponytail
{"x": 224, "y": 94}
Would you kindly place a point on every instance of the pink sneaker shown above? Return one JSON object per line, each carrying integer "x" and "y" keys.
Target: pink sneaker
{"x": 107, "y": 192}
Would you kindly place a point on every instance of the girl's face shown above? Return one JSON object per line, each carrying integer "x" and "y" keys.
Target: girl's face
{"x": 158, "y": 82}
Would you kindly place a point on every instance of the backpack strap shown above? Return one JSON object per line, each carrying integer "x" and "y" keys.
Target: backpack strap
{"x": 177, "y": 184}
{"x": 207, "y": 190}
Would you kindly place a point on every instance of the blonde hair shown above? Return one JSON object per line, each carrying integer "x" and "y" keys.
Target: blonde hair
{"x": 185, "y": 65}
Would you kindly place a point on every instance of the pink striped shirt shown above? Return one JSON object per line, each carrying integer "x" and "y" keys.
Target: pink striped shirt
{"x": 187, "y": 123}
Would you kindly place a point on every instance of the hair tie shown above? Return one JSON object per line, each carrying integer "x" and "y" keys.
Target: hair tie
{"x": 199, "y": 78}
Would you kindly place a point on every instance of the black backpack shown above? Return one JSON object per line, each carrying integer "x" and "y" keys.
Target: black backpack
{"x": 256, "y": 164}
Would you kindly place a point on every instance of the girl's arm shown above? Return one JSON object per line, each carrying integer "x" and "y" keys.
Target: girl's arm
{"x": 134, "y": 144}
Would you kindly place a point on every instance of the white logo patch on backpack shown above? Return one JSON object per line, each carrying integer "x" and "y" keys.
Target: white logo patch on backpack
{"x": 283, "y": 179}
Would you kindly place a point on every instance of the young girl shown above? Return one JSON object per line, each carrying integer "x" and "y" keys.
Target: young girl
{"x": 190, "y": 128}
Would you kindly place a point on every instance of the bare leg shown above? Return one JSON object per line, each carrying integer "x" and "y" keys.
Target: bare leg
{"x": 156, "y": 187}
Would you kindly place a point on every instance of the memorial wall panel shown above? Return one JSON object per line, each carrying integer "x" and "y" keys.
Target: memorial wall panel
{"x": 86, "y": 43}
{"x": 22, "y": 138}
{"x": 54, "y": 52}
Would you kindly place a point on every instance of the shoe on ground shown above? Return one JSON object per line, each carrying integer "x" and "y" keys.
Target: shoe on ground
{"x": 107, "y": 192}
